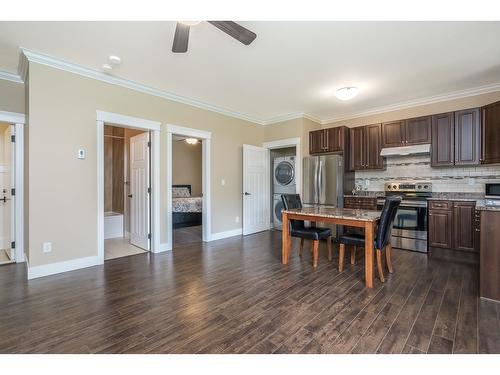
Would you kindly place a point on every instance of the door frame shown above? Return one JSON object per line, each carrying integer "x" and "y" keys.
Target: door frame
{"x": 282, "y": 143}
{"x": 18, "y": 120}
{"x": 206, "y": 138}
{"x": 131, "y": 123}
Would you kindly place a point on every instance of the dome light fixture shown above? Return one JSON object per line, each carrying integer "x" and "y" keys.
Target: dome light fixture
{"x": 191, "y": 141}
{"x": 346, "y": 93}
{"x": 190, "y": 23}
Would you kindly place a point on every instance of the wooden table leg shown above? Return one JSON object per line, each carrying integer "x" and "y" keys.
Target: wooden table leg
{"x": 285, "y": 239}
{"x": 369, "y": 237}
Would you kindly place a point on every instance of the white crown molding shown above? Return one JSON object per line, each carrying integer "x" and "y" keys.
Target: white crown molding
{"x": 39, "y": 58}
{"x": 22, "y": 68}
{"x": 6, "y": 76}
{"x": 416, "y": 103}
{"x": 12, "y": 117}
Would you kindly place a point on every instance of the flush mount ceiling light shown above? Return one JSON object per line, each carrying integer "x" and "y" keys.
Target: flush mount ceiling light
{"x": 346, "y": 93}
{"x": 191, "y": 141}
{"x": 190, "y": 23}
{"x": 114, "y": 60}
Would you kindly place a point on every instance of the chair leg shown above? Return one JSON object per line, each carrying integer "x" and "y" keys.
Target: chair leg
{"x": 341, "y": 257}
{"x": 301, "y": 249}
{"x": 353, "y": 254}
{"x": 329, "y": 246}
{"x": 379, "y": 265}
{"x": 388, "y": 254}
{"x": 315, "y": 253}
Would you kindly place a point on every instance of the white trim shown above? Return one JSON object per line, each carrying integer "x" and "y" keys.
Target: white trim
{"x": 59, "y": 267}
{"x": 206, "y": 179}
{"x": 416, "y": 103}
{"x": 226, "y": 234}
{"x": 128, "y": 122}
{"x": 289, "y": 142}
{"x": 6, "y": 76}
{"x": 54, "y": 62}
{"x": 12, "y": 117}
{"x": 163, "y": 248}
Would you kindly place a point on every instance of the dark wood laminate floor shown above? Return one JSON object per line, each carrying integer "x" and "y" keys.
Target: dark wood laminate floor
{"x": 234, "y": 296}
{"x": 186, "y": 236}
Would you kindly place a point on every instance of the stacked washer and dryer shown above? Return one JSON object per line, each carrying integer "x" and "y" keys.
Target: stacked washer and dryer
{"x": 284, "y": 183}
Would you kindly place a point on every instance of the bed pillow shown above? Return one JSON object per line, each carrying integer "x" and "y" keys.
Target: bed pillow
{"x": 180, "y": 192}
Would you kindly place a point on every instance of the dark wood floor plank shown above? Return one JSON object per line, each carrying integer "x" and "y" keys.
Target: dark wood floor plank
{"x": 235, "y": 296}
{"x": 440, "y": 345}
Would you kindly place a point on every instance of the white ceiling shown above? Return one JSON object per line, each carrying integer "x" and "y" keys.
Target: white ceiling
{"x": 292, "y": 67}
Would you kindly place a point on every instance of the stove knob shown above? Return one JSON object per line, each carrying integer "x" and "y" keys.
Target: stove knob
{"x": 419, "y": 187}
{"x": 426, "y": 186}
{"x": 394, "y": 187}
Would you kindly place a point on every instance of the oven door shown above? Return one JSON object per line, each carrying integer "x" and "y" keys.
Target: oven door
{"x": 409, "y": 230}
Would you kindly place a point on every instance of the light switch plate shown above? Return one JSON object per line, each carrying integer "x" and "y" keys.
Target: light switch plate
{"x": 223, "y": 182}
{"x": 47, "y": 247}
{"x": 81, "y": 154}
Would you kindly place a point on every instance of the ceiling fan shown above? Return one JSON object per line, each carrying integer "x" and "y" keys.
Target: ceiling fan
{"x": 231, "y": 28}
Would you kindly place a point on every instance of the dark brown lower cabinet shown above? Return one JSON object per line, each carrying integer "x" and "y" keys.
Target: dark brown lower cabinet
{"x": 452, "y": 231}
{"x": 489, "y": 266}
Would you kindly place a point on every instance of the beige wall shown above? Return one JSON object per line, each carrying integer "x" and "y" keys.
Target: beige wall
{"x": 187, "y": 166}
{"x": 3, "y": 128}
{"x": 11, "y": 96}
{"x": 423, "y": 110}
{"x": 62, "y": 189}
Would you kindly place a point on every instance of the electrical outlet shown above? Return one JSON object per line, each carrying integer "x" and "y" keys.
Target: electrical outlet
{"x": 237, "y": 219}
{"x": 223, "y": 182}
{"x": 472, "y": 181}
{"x": 47, "y": 247}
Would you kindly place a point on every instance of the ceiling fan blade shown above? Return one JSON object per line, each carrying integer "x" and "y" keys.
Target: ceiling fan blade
{"x": 238, "y": 32}
{"x": 181, "y": 38}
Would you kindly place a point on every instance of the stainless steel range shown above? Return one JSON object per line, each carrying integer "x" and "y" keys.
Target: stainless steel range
{"x": 410, "y": 225}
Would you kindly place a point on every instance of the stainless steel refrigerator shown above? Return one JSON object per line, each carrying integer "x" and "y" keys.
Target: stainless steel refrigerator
{"x": 326, "y": 180}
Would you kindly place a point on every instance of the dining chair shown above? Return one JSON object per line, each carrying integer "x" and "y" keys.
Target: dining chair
{"x": 382, "y": 238}
{"x": 299, "y": 229}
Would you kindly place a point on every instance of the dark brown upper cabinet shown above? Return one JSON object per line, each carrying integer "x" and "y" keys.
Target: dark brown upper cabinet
{"x": 393, "y": 133}
{"x": 418, "y": 131}
{"x": 409, "y": 132}
{"x": 467, "y": 137}
{"x": 443, "y": 139}
{"x": 490, "y": 134}
{"x": 328, "y": 140}
{"x": 456, "y": 138}
{"x": 365, "y": 146}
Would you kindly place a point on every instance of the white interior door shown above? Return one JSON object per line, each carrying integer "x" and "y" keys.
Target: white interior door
{"x": 256, "y": 189}
{"x": 139, "y": 184}
{"x": 7, "y": 207}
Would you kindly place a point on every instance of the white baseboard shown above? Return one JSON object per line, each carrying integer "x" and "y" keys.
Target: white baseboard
{"x": 162, "y": 249}
{"x": 59, "y": 267}
{"x": 226, "y": 234}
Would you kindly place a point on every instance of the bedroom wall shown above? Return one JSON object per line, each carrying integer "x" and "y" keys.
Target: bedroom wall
{"x": 11, "y": 96}
{"x": 62, "y": 190}
{"x": 187, "y": 166}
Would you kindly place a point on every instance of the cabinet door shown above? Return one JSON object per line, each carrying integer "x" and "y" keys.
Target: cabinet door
{"x": 335, "y": 139}
{"x": 463, "y": 219}
{"x": 393, "y": 134}
{"x": 356, "y": 158}
{"x": 467, "y": 137}
{"x": 373, "y": 145}
{"x": 443, "y": 138}
{"x": 440, "y": 228}
{"x": 315, "y": 142}
{"x": 418, "y": 130}
{"x": 491, "y": 134}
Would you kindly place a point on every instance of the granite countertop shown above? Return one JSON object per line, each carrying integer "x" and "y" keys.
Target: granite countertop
{"x": 337, "y": 213}
{"x": 367, "y": 194}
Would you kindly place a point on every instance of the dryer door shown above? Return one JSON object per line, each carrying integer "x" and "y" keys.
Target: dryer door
{"x": 284, "y": 173}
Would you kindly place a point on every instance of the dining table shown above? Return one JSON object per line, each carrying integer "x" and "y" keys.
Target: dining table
{"x": 358, "y": 218}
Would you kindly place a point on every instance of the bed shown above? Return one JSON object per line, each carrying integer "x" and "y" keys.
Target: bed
{"x": 186, "y": 210}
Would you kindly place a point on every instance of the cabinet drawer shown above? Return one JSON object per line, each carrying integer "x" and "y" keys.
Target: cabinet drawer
{"x": 440, "y": 205}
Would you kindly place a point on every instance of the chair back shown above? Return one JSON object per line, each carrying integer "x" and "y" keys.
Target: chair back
{"x": 386, "y": 221}
{"x": 291, "y": 201}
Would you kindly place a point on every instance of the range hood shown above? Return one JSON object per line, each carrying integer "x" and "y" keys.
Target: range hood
{"x": 406, "y": 150}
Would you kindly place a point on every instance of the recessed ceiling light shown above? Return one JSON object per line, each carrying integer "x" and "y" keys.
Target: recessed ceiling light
{"x": 347, "y": 93}
{"x": 191, "y": 141}
{"x": 190, "y": 23}
{"x": 107, "y": 68}
{"x": 114, "y": 60}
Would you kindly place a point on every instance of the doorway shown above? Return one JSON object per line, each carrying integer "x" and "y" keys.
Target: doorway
{"x": 127, "y": 206}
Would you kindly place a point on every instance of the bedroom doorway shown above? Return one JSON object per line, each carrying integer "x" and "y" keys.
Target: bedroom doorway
{"x": 127, "y": 204}
{"x": 188, "y": 196}
{"x": 187, "y": 188}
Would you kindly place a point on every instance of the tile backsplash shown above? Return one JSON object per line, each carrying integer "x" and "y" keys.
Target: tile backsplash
{"x": 418, "y": 168}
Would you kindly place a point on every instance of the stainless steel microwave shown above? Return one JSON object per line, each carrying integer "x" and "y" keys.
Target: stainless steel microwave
{"x": 492, "y": 190}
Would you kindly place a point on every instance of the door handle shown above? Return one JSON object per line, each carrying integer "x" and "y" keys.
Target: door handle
{"x": 4, "y": 199}
{"x": 130, "y": 195}
{"x": 247, "y": 193}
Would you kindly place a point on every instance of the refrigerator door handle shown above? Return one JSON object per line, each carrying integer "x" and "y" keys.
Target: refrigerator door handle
{"x": 316, "y": 188}
{"x": 320, "y": 181}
